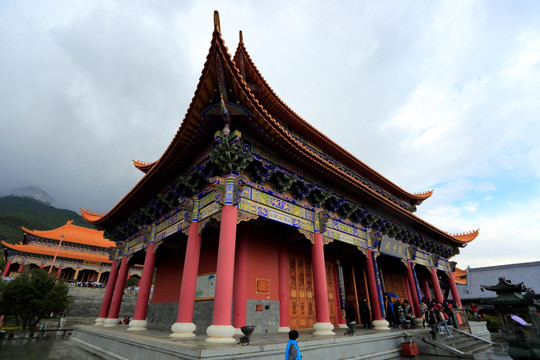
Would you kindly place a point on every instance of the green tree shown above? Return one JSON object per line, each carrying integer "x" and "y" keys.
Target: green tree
{"x": 132, "y": 281}
{"x": 32, "y": 296}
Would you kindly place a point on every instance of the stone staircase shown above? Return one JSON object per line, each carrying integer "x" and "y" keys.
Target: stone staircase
{"x": 461, "y": 344}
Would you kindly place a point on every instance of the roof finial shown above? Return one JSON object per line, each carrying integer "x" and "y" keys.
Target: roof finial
{"x": 216, "y": 21}
{"x": 241, "y": 37}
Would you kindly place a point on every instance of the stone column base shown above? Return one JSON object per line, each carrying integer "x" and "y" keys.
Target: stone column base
{"x": 381, "y": 325}
{"x": 283, "y": 329}
{"x": 343, "y": 326}
{"x": 220, "y": 334}
{"x": 323, "y": 329}
{"x": 137, "y": 325}
{"x": 183, "y": 330}
{"x": 111, "y": 322}
{"x": 418, "y": 321}
{"x": 99, "y": 321}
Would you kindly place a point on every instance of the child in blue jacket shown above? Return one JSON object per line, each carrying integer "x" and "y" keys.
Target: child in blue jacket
{"x": 292, "y": 352}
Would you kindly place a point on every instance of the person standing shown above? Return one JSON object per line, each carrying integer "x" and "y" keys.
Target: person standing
{"x": 292, "y": 352}
{"x": 364, "y": 313}
{"x": 442, "y": 317}
{"x": 475, "y": 311}
{"x": 390, "y": 316}
{"x": 432, "y": 321}
{"x": 423, "y": 310}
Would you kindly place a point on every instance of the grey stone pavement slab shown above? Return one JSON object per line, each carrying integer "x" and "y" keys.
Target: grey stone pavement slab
{"x": 43, "y": 349}
{"x": 51, "y": 348}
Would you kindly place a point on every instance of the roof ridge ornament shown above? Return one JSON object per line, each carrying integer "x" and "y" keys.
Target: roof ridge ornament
{"x": 217, "y": 25}
{"x": 241, "y": 37}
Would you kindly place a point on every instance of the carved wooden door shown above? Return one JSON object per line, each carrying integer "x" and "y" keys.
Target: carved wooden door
{"x": 302, "y": 304}
{"x": 331, "y": 293}
{"x": 393, "y": 281}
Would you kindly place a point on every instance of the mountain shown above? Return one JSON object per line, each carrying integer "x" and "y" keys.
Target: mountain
{"x": 17, "y": 211}
{"x": 33, "y": 192}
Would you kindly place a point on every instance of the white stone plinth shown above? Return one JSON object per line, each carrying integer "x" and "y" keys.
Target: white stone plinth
{"x": 323, "y": 329}
{"x": 183, "y": 330}
{"x": 284, "y": 329}
{"x": 99, "y": 321}
{"x": 220, "y": 334}
{"x": 111, "y": 322}
{"x": 137, "y": 325}
{"x": 380, "y": 325}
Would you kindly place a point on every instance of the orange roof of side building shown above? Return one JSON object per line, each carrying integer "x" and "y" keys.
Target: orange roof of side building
{"x": 460, "y": 276}
{"x": 51, "y": 251}
{"x": 74, "y": 234}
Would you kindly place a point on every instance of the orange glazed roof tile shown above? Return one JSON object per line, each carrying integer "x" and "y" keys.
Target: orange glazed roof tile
{"x": 466, "y": 237}
{"x": 460, "y": 276}
{"x": 143, "y": 166}
{"x": 73, "y": 234}
{"x": 51, "y": 251}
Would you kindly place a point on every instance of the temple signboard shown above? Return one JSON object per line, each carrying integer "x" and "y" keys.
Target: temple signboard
{"x": 393, "y": 247}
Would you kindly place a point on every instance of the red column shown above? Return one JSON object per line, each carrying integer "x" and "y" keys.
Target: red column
{"x": 373, "y": 292}
{"x": 139, "y": 317}
{"x": 58, "y": 272}
{"x": 425, "y": 287}
{"x": 453, "y": 288}
{"x": 407, "y": 289}
{"x": 106, "y": 303}
{"x": 6, "y": 270}
{"x": 184, "y": 326}
{"x": 240, "y": 283}
{"x": 284, "y": 299}
{"x": 323, "y": 326}
{"x": 436, "y": 286}
{"x": 221, "y": 329}
{"x": 21, "y": 267}
{"x": 112, "y": 316}
{"x": 41, "y": 266}
{"x": 414, "y": 294}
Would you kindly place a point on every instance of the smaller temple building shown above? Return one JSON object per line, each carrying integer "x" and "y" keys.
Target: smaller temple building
{"x": 69, "y": 252}
{"x": 470, "y": 282}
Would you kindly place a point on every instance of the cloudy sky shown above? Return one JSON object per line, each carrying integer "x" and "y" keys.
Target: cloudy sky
{"x": 441, "y": 95}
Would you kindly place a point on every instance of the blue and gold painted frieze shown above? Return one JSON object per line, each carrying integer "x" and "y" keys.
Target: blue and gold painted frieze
{"x": 178, "y": 226}
{"x": 207, "y": 199}
{"x": 171, "y": 220}
{"x": 137, "y": 243}
{"x": 268, "y": 206}
{"x": 275, "y": 214}
{"x": 340, "y": 236}
{"x": 209, "y": 210}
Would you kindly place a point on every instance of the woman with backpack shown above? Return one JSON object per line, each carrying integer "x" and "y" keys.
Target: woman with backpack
{"x": 443, "y": 319}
